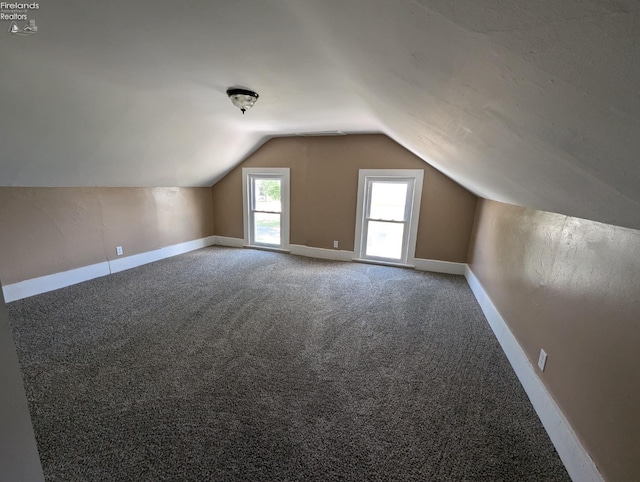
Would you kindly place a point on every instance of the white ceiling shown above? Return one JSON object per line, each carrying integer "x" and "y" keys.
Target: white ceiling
{"x": 535, "y": 103}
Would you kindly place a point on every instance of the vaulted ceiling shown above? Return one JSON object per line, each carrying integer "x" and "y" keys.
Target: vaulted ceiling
{"x": 535, "y": 103}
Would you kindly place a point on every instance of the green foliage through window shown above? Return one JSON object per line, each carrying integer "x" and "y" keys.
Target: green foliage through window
{"x": 271, "y": 189}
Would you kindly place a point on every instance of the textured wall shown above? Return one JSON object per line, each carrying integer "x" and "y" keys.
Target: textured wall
{"x": 48, "y": 230}
{"x": 572, "y": 287}
{"x": 324, "y": 183}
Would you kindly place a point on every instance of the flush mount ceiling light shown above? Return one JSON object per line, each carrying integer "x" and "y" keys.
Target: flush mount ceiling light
{"x": 243, "y": 99}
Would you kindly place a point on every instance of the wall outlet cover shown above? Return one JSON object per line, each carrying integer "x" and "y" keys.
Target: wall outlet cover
{"x": 119, "y": 251}
{"x": 542, "y": 359}
{"x": 335, "y": 244}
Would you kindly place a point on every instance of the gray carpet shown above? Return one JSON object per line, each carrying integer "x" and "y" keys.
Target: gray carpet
{"x": 228, "y": 364}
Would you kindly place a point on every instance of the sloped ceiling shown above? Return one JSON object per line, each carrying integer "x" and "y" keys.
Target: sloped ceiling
{"x": 535, "y": 103}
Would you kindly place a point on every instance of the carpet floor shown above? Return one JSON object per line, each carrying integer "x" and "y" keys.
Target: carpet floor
{"x": 242, "y": 365}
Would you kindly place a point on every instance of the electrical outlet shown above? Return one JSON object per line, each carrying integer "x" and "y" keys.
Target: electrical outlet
{"x": 119, "y": 250}
{"x": 542, "y": 359}
{"x": 335, "y": 244}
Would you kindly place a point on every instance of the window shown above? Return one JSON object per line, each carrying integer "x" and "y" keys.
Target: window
{"x": 266, "y": 207}
{"x": 387, "y": 215}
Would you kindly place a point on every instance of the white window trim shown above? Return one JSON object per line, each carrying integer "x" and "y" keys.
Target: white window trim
{"x": 418, "y": 176}
{"x": 284, "y": 174}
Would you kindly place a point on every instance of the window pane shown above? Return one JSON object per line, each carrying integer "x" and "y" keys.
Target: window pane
{"x": 266, "y": 195}
{"x": 384, "y": 240}
{"x": 388, "y": 200}
{"x": 266, "y": 228}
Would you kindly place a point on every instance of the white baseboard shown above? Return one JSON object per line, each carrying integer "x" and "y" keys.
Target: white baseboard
{"x": 344, "y": 255}
{"x": 574, "y": 456}
{"x": 129, "y": 262}
{"x": 230, "y": 242}
{"x": 42, "y": 284}
{"x": 448, "y": 267}
{"x": 322, "y": 253}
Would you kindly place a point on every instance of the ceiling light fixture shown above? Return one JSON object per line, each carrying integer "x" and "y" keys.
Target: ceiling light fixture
{"x": 243, "y": 99}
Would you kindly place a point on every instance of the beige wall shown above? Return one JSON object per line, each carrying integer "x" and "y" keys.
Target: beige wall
{"x": 48, "y": 230}
{"x": 324, "y": 182}
{"x": 572, "y": 287}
